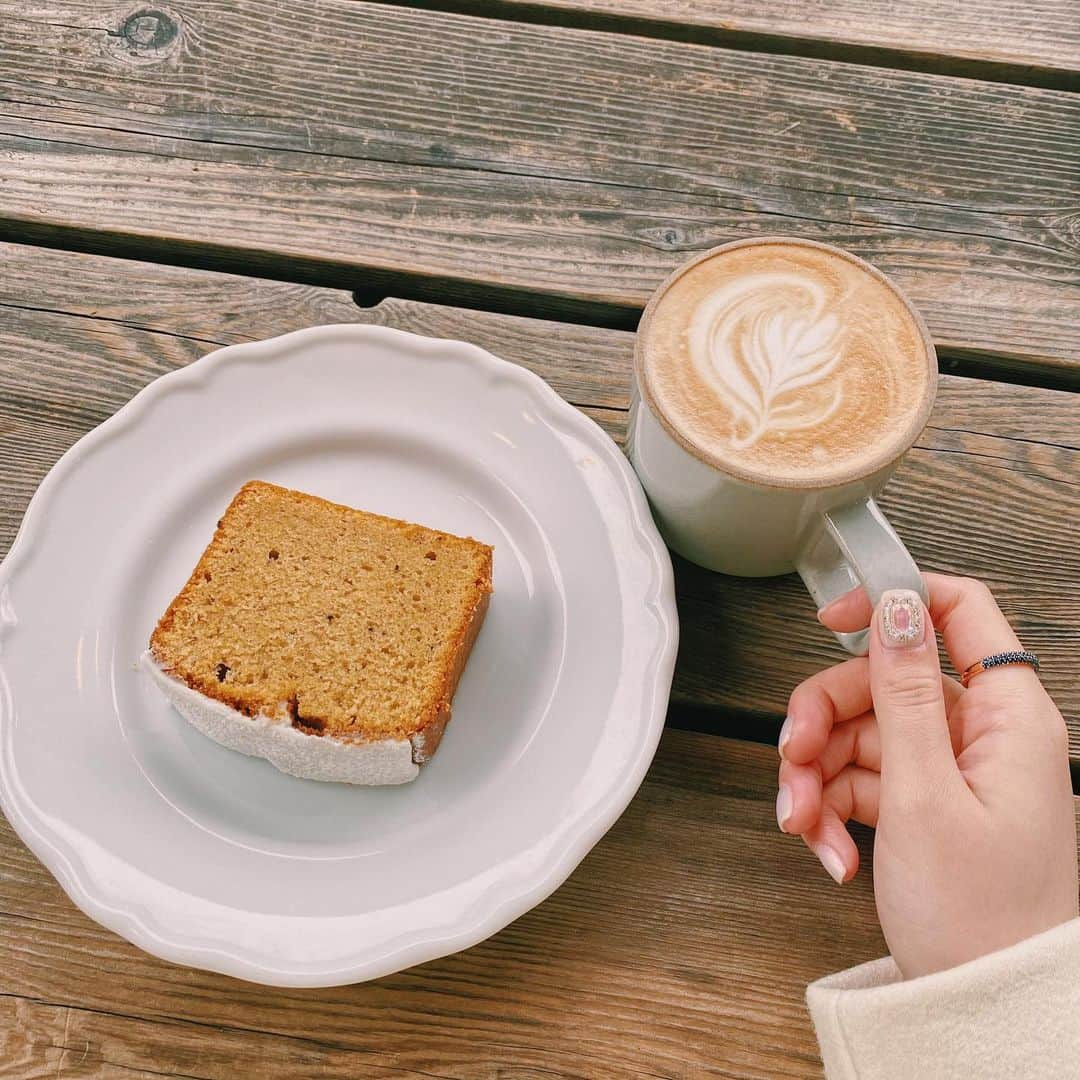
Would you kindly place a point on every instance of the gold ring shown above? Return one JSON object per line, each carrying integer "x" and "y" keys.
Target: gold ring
{"x": 1001, "y": 659}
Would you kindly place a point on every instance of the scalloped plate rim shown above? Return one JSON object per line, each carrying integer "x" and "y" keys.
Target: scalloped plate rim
{"x": 74, "y": 873}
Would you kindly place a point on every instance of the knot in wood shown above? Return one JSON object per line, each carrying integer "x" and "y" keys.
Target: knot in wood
{"x": 149, "y": 30}
{"x": 666, "y": 237}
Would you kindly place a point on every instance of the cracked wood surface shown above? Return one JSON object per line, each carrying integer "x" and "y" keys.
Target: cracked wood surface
{"x": 536, "y": 167}
{"x": 1033, "y": 42}
{"x": 680, "y": 948}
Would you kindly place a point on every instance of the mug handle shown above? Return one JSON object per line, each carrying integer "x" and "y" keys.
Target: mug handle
{"x": 857, "y": 546}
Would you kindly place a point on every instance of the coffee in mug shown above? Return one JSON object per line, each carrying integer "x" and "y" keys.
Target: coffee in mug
{"x": 778, "y": 383}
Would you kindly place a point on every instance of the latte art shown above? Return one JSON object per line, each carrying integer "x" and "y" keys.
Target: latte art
{"x": 766, "y": 345}
{"x": 785, "y": 362}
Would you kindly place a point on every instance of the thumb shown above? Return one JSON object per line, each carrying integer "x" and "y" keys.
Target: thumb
{"x": 905, "y": 681}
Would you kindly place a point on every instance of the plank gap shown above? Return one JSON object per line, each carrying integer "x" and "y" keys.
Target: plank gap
{"x": 868, "y": 55}
{"x": 755, "y": 726}
{"x": 368, "y": 285}
{"x": 953, "y": 360}
{"x": 746, "y": 725}
{"x": 496, "y": 299}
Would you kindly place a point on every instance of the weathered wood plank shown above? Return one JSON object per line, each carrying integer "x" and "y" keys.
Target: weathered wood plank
{"x": 991, "y": 490}
{"x": 41, "y": 1041}
{"x": 523, "y": 165}
{"x": 681, "y": 947}
{"x": 1035, "y": 43}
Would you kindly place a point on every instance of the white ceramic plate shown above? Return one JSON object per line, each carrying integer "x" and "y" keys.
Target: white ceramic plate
{"x": 209, "y": 858}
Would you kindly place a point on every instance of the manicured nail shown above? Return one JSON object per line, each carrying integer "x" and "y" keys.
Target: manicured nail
{"x": 902, "y": 621}
{"x": 785, "y": 735}
{"x": 833, "y": 863}
{"x": 822, "y": 610}
{"x": 783, "y": 806}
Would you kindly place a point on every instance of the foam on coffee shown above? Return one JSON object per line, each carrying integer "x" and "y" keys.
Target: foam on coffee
{"x": 786, "y": 363}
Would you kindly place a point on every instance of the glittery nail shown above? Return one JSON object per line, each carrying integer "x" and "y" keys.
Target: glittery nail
{"x": 901, "y": 619}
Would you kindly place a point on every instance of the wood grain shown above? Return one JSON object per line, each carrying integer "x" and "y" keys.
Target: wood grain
{"x": 991, "y": 490}
{"x": 680, "y": 948}
{"x": 1034, "y": 43}
{"x": 530, "y": 165}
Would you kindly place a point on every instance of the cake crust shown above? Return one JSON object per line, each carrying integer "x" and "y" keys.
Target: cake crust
{"x": 425, "y": 741}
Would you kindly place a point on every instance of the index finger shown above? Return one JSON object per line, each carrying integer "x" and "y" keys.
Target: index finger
{"x": 830, "y": 697}
{"x": 964, "y": 610}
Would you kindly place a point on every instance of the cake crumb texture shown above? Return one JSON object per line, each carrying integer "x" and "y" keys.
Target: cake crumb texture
{"x": 357, "y": 626}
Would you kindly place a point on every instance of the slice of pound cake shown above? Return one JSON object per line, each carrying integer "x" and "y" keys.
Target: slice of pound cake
{"x": 327, "y": 640}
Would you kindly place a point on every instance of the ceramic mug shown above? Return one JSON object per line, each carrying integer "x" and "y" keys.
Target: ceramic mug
{"x": 836, "y": 536}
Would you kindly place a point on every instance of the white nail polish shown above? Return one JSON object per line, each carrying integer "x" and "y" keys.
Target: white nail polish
{"x": 833, "y": 863}
{"x": 785, "y": 736}
{"x": 783, "y": 806}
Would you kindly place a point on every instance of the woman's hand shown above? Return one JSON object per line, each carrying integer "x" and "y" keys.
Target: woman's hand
{"x": 969, "y": 790}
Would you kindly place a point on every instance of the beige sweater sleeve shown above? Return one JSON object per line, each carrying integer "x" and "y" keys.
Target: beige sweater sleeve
{"x": 1013, "y": 1014}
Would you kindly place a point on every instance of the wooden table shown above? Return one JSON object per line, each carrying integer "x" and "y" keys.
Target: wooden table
{"x": 201, "y": 172}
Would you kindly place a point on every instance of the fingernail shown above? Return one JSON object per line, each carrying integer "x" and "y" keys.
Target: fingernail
{"x": 833, "y": 863}
{"x": 785, "y": 735}
{"x": 901, "y": 619}
{"x": 783, "y": 806}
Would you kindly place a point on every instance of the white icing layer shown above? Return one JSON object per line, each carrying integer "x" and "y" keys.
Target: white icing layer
{"x": 311, "y": 757}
